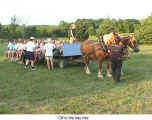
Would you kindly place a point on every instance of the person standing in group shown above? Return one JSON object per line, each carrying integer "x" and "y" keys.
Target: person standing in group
{"x": 24, "y": 52}
{"x": 49, "y": 53}
{"x": 116, "y": 53}
{"x": 37, "y": 51}
{"x": 30, "y": 49}
{"x": 43, "y": 48}
{"x": 21, "y": 48}
{"x": 14, "y": 56}
{"x": 9, "y": 48}
{"x": 17, "y": 49}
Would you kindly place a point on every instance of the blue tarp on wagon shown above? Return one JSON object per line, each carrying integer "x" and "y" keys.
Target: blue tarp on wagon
{"x": 72, "y": 49}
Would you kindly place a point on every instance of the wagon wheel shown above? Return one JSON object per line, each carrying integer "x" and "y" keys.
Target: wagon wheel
{"x": 82, "y": 62}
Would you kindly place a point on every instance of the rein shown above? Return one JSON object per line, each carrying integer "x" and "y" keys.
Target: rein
{"x": 131, "y": 41}
{"x": 102, "y": 44}
{"x": 94, "y": 50}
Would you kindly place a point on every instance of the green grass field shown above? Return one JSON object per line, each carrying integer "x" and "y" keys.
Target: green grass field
{"x": 71, "y": 91}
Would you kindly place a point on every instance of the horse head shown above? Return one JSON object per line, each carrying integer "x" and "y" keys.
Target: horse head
{"x": 131, "y": 42}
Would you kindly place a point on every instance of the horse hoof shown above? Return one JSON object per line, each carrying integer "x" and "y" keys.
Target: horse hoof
{"x": 109, "y": 75}
{"x": 100, "y": 76}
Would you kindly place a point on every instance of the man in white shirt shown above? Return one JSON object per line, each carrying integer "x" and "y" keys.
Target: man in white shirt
{"x": 49, "y": 53}
{"x": 30, "y": 49}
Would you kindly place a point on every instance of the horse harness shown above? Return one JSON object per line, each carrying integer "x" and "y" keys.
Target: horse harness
{"x": 102, "y": 47}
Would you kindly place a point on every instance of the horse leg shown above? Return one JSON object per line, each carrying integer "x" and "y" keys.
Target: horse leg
{"x": 108, "y": 68}
{"x": 122, "y": 73}
{"x": 100, "y": 69}
{"x": 86, "y": 60}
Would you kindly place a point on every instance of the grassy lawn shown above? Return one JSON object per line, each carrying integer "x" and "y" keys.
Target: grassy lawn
{"x": 70, "y": 90}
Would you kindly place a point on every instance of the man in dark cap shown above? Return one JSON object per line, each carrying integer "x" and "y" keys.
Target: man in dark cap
{"x": 116, "y": 56}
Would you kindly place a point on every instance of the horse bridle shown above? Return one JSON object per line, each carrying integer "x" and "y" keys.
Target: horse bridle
{"x": 131, "y": 41}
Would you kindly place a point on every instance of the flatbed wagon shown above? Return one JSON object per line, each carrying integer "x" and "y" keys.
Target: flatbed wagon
{"x": 70, "y": 53}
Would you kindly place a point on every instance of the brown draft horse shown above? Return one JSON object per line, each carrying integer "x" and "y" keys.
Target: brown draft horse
{"x": 93, "y": 51}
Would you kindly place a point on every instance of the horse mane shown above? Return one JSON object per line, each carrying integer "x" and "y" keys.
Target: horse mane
{"x": 108, "y": 37}
{"x": 131, "y": 36}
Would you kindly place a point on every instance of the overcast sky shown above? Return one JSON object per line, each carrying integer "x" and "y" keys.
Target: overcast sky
{"x": 51, "y": 12}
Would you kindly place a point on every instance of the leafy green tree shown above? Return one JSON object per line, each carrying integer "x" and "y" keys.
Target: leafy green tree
{"x": 89, "y": 25}
{"x": 65, "y": 28}
{"x": 0, "y": 27}
{"x": 31, "y": 31}
{"x": 85, "y": 28}
{"x": 13, "y": 34}
{"x": 144, "y": 31}
{"x": 107, "y": 26}
{"x": 82, "y": 30}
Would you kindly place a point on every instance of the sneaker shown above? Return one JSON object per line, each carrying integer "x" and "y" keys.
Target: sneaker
{"x": 33, "y": 68}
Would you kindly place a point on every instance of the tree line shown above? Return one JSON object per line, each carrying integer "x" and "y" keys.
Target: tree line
{"x": 86, "y": 27}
